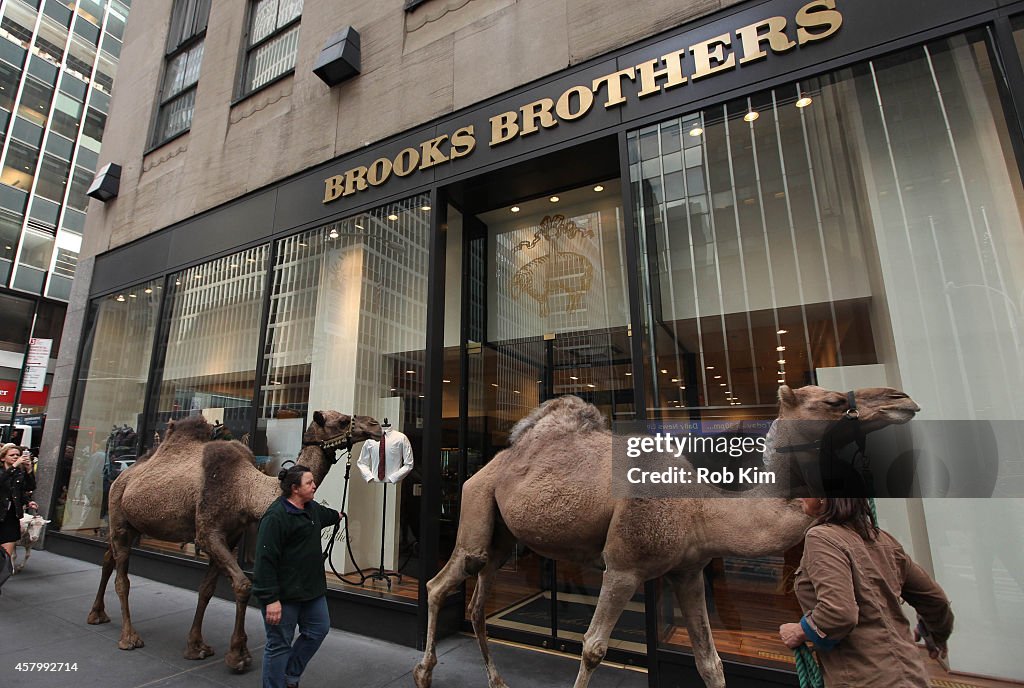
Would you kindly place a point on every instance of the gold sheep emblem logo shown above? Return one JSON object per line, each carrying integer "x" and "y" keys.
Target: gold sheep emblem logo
{"x": 557, "y": 272}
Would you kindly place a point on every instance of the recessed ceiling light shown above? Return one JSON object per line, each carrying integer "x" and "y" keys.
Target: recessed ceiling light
{"x": 494, "y": 384}
{"x": 515, "y": 209}
{"x": 664, "y": 370}
{"x": 599, "y": 188}
{"x": 591, "y": 386}
{"x": 782, "y": 361}
{"x": 148, "y": 290}
{"x": 804, "y": 101}
{"x": 783, "y": 331}
{"x": 718, "y": 377}
{"x": 392, "y": 217}
{"x": 120, "y": 297}
{"x": 780, "y": 348}
{"x": 445, "y": 380}
{"x": 628, "y": 374}
{"x": 358, "y": 226}
{"x": 696, "y": 131}
{"x": 554, "y": 199}
{"x": 177, "y": 281}
{"x": 424, "y": 207}
{"x": 751, "y": 116}
{"x": 333, "y": 234}
{"x": 515, "y": 391}
{"x": 711, "y": 367}
{"x": 573, "y": 377}
{"x": 410, "y": 372}
{"x": 133, "y": 296}
{"x": 675, "y": 379}
{"x": 721, "y": 384}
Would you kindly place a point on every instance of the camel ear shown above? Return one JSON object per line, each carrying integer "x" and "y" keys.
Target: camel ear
{"x": 787, "y": 397}
{"x": 318, "y": 418}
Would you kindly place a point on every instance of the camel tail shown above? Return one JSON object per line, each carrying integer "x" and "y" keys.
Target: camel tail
{"x": 560, "y": 415}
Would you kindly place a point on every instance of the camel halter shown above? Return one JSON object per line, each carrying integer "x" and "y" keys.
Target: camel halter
{"x": 834, "y": 439}
{"x": 330, "y": 447}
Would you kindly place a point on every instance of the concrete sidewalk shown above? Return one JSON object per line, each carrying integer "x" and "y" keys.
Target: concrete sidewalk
{"x": 42, "y": 619}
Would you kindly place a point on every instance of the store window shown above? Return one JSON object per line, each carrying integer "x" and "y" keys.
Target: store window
{"x": 857, "y": 229}
{"x": 273, "y": 42}
{"x": 181, "y": 73}
{"x": 106, "y": 412}
{"x": 346, "y": 331}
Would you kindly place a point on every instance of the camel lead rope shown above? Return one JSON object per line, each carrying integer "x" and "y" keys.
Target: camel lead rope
{"x": 807, "y": 669}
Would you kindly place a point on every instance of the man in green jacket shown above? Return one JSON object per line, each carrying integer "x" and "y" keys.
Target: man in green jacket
{"x": 289, "y": 578}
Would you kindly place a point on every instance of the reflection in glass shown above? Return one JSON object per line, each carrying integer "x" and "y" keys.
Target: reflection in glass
{"x": 107, "y": 409}
{"x": 868, "y": 238}
{"x": 346, "y": 331}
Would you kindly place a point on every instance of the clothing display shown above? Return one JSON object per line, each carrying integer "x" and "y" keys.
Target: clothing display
{"x": 387, "y": 461}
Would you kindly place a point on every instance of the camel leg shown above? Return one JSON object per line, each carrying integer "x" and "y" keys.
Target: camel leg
{"x": 689, "y": 589}
{"x": 98, "y": 614}
{"x": 477, "y": 605}
{"x": 121, "y": 544}
{"x": 617, "y": 588}
{"x": 473, "y": 549}
{"x": 195, "y": 648}
{"x": 238, "y": 657}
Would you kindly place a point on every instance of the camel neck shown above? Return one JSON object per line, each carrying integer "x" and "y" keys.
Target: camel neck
{"x": 314, "y": 458}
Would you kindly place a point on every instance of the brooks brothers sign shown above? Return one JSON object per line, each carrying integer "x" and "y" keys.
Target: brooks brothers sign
{"x": 815, "y": 21}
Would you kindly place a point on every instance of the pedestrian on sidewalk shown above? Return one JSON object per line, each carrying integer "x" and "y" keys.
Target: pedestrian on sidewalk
{"x": 851, "y": 582}
{"x": 289, "y": 578}
{"x": 17, "y": 481}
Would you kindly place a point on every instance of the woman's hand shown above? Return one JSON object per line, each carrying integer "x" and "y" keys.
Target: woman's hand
{"x": 273, "y": 613}
{"x": 792, "y": 635}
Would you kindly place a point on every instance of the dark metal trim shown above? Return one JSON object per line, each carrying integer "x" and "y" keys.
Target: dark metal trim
{"x": 430, "y": 506}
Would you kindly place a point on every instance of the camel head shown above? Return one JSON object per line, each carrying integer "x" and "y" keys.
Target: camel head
{"x": 876, "y": 406}
{"x": 331, "y": 429}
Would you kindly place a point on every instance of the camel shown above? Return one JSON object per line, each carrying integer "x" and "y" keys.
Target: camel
{"x": 551, "y": 490}
{"x": 192, "y": 488}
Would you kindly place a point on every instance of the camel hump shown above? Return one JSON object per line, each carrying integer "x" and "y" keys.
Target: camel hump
{"x": 559, "y": 416}
{"x": 191, "y": 428}
{"x": 221, "y": 454}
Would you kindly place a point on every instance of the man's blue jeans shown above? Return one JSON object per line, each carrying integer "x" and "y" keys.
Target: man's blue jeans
{"x": 283, "y": 662}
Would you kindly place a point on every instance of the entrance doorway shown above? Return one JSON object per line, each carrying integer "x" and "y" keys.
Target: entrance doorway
{"x": 544, "y": 312}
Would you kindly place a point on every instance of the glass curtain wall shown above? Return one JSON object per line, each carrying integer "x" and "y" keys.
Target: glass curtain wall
{"x": 107, "y": 410}
{"x": 346, "y": 331}
{"x": 208, "y": 350}
{"x": 861, "y": 228}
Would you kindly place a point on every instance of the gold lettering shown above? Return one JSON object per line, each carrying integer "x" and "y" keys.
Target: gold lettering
{"x": 380, "y": 170}
{"x": 406, "y": 162}
{"x": 463, "y": 142}
{"x": 431, "y": 154}
{"x": 649, "y": 73}
{"x": 752, "y": 38}
{"x": 538, "y": 110}
{"x": 709, "y": 56}
{"x": 355, "y": 180}
{"x": 563, "y": 108}
{"x": 614, "y": 83}
{"x": 503, "y": 127}
{"x": 334, "y": 187}
{"x": 821, "y": 13}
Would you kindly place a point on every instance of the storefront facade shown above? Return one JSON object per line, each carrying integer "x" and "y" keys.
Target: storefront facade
{"x": 783, "y": 192}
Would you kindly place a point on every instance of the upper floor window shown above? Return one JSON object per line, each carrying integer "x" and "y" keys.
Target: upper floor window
{"x": 273, "y": 41}
{"x": 184, "y": 55}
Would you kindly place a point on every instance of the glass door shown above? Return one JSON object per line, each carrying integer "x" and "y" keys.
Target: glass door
{"x": 544, "y": 314}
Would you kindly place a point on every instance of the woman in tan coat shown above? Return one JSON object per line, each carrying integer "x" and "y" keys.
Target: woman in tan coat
{"x": 851, "y": 582}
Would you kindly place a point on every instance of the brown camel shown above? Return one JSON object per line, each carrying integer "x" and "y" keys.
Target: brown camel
{"x": 551, "y": 490}
{"x": 192, "y": 489}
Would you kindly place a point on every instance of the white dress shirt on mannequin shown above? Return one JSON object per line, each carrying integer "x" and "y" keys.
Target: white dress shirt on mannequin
{"x": 398, "y": 459}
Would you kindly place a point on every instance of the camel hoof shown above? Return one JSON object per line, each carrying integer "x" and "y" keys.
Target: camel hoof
{"x": 130, "y": 642}
{"x": 198, "y": 651}
{"x": 498, "y": 682}
{"x": 422, "y": 676}
{"x": 97, "y": 617}
{"x": 239, "y": 662}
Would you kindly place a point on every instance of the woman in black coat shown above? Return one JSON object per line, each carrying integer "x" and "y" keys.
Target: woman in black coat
{"x": 17, "y": 481}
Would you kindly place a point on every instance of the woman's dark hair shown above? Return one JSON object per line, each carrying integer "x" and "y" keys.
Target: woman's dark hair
{"x": 291, "y": 477}
{"x": 852, "y": 512}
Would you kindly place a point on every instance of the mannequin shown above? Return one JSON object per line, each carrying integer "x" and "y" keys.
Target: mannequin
{"x": 398, "y": 458}
{"x": 395, "y": 450}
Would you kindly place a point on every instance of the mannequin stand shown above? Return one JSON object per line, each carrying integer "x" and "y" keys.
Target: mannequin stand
{"x": 382, "y": 573}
